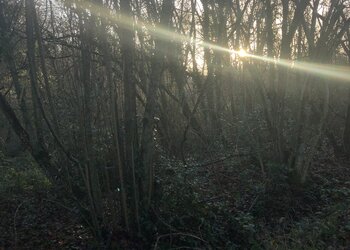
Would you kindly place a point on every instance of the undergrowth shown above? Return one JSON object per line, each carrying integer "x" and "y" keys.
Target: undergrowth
{"x": 19, "y": 175}
{"x": 227, "y": 205}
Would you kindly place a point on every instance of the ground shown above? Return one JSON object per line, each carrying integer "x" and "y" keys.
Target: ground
{"x": 222, "y": 204}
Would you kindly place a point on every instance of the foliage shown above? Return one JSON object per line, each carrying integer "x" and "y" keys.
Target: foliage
{"x": 20, "y": 175}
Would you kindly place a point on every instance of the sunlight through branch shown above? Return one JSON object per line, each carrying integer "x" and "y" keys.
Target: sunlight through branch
{"x": 322, "y": 70}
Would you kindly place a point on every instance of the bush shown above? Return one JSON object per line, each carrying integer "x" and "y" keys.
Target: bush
{"x": 20, "y": 175}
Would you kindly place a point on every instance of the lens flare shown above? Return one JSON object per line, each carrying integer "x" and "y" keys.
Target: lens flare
{"x": 242, "y": 53}
{"x": 322, "y": 70}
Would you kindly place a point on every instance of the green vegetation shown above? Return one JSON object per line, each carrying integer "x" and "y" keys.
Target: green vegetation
{"x": 191, "y": 209}
{"x": 21, "y": 175}
{"x": 174, "y": 124}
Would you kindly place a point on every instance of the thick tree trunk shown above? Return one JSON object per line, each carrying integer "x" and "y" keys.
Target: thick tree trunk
{"x": 29, "y": 13}
{"x": 20, "y": 93}
{"x": 42, "y": 157}
{"x": 11, "y": 65}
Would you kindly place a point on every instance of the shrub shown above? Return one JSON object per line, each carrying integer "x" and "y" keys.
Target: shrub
{"x": 19, "y": 175}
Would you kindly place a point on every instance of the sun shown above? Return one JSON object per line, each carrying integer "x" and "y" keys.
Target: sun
{"x": 242, "y": 53}
{"x": 236, "y": 54}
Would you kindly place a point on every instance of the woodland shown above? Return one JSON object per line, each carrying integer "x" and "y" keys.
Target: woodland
{"x": 174, "y": 124}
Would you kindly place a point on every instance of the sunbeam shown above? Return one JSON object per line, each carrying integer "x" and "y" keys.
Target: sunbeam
{"x": 172, "y": 124}
{"x": 322, "y": 70}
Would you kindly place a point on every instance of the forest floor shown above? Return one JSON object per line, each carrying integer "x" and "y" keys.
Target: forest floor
{"x": 228, "y": 204}
{"x": 32, "y": 216}
{"x": 252, "y": 209}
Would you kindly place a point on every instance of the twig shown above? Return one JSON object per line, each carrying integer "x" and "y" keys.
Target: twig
{"x": 184, "y": 247}
{"x": 253, "y": 203}
{"x": 71, "y": 210}
{"x": 162, "y": 221}
{"x": 177, "y": 234}
{"x": 14, "y": 223}
{"x": 60, "y": 204}
{"x": 212, "y": 198}
{"x": 222, "y": 159}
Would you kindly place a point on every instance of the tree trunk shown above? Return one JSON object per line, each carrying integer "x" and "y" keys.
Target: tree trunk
{"x": 133, "y": 173}
{"x": 42, "y": 157}
{"x": 147, "y": 142}
{"x": 92, "y": 175}
{"x": 117, "y": 154}
{"x": 29, "y": 13}
{"x": 45, "y": 73}
{"x": 346, "y": 136}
